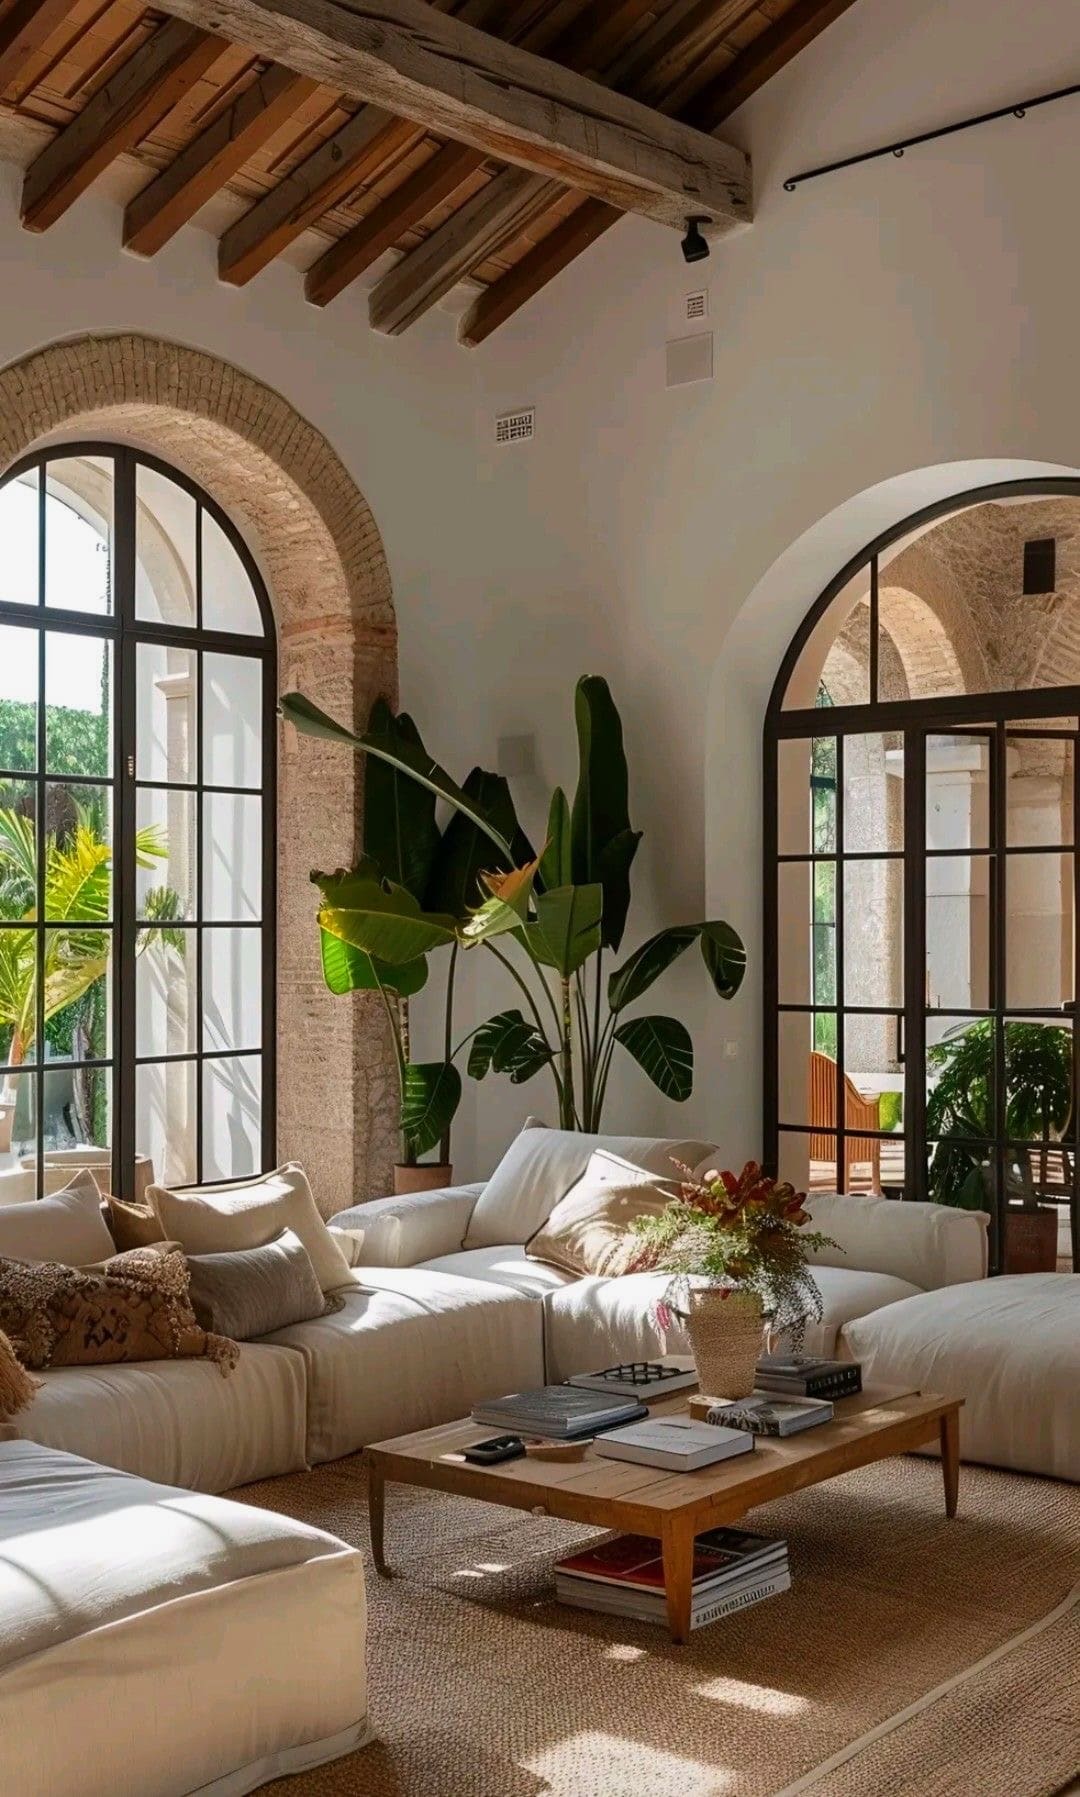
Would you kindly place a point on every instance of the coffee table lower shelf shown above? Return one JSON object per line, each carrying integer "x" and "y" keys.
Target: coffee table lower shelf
{"x": 673, "y": 1508}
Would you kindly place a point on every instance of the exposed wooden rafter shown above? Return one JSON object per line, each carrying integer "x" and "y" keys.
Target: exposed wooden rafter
{"x": 134, "y": 100}
{"x": 205, "y": 165}
{"x": 23, "y": 30}
{"x": 767, "y": 54}
{"x": 505, "y": 101}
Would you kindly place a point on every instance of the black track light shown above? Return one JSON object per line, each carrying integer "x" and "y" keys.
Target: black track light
{"x": 695, "y": 247}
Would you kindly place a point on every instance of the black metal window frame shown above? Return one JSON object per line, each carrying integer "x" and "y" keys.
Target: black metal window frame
{"x": 917, "y": 719}
{"x": 126, "y": 633}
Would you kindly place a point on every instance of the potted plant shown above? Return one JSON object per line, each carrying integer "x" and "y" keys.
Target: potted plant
{"x": 960, "y": 1123}
{"x": 736, "y": 1247}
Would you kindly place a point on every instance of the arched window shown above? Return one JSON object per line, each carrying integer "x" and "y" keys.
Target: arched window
{"x": 137, "y": 764}
{"x": 922, "y": 875}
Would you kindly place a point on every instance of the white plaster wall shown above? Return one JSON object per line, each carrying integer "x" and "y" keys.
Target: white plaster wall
{"x": 894, "y": 333}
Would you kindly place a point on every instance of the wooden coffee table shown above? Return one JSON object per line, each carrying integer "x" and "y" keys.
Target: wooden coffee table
{"x": 672, "y": 1507}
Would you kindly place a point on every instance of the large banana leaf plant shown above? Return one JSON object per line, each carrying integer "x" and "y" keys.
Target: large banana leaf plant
{"x": 548, "y": 919}
{"x": 77, "y": 876}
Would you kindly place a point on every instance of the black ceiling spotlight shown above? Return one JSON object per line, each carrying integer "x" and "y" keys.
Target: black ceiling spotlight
{"x": 695, "y": 247}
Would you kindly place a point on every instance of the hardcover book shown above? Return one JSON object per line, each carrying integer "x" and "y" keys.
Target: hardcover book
{"x": 677, "y": 1443}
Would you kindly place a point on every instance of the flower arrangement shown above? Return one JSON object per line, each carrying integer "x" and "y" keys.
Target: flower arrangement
{"x": 740, "y": 1233}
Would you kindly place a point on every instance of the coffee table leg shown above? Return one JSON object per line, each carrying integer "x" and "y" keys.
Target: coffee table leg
{"x": 950, "y": 1459}
{"x": 678, "y": 1550}
{"x": 376, "y": 1517}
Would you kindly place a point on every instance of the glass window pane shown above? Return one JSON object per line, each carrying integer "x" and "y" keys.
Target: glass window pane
{"x": 78, "y": 533}
{"x": 873, "y": 793}
{"x": 78, "y": 853}
{"x": 19, "y": 651}
{"x": 807, "y": 1040}
{"x": 165, "y": 702}
{"x": 958, "y": 790}
{"x": 18, "y": 1134}
{"x": 18, "y": 997}
{"x": 165, "y": 1129}
{"x": 164, "y": 550}
{"x": 165, "y": 865}
{"x": 229, "y": 601}
{"x": 808, "y": 1161}
{"x": 166, "y": 992}
{"x": 232, "y": 720}
{"x": 807, "y": 946}
{"x": 961, "y": 1173}
{"x": 960, "y": 1077}
{"x": 77, "y": 1107}
{"x": 78, "y": 704}
{"x": 834, "y": 666}
{"x": 1039, "y": 789}
{"x": 232, "y": 1117}
{"x": 18, "y": 850}
{"x": 958, "y": 893}
{"x": 1038, "y": 1080}
{"x": 874, "y": 933}
{"x": 232, "y": 858}
{"x": 1039, "y": 908}
{"x": 78, "y": 994}
{"x": 19, "y": 540}
{"x": 232, "y": 989}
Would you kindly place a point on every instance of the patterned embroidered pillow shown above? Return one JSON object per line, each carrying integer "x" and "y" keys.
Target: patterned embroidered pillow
{"x": 138, "y": 1307}
{"x": 18, "y": 1388}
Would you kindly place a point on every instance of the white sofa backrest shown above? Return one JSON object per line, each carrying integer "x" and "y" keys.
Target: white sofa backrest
{"x": 930, "y": 1245}
{"x": 539, "y": 1168}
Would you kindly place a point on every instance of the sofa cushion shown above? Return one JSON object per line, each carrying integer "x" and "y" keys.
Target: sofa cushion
{"x": 179, "y": 1421}
{"x": 66, "y": 1227}
{"x": 247, "y": 1214}
{"x": 591, "y": 1229}
{"x": 502, "y": 1266}
{"x": 593, "y": 1323}
{"x": 539, "y": 1168}
{"x": 406, "y": 1230}
{"x": 257, "y": 1290}
{"x": 411, "y": 1348}
{"x": 928, "y": 1244}
{"x": 1010, "y": 1347}
{"x": 136, "y": 1588}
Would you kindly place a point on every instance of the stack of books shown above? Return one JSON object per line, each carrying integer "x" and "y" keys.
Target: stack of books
{"x": 625, "y": 1576}
{"x": 804, "y": 1376}
{"x": 562, "y": 1412}
{"x": 762, "y": 1413}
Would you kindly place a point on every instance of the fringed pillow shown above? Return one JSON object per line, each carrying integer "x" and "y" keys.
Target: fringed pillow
{"x": 17, "y": 1387}
{"x": 136, "y": 1307}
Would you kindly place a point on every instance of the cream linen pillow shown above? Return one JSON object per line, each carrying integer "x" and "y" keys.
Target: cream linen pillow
{"x": 539, "y": 1168}
{"x": 248, "y": 1214}
{"x": 67, "y": 1227}
{"x": 589, "y": 1231}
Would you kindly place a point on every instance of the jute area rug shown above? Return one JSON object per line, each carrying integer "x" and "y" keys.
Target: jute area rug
{"x": 481, "y": 1685}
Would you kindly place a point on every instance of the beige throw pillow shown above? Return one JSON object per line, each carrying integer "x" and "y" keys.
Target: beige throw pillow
{"x": 251, "y": 1293}
{"x": 248, "y": 1214}
{"x": 66, "y": 1227}
{"x": 590, "y": 1230}
{"x": 132, "y": 1225}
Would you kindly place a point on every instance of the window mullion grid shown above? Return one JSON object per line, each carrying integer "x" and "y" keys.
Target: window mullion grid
{"x": 1074, "y": 1207}
{"x": 124, "y": 825}
{"x": 998, "y": 901}
{"x": 38, "y": 1076}
{"x": 200, "y": 813}
{"x": 838, "y": 916}
{"x": 914, "y": 798}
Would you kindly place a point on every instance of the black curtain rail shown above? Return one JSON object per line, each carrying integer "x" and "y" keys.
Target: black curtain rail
{"x": 1018, "y": 110}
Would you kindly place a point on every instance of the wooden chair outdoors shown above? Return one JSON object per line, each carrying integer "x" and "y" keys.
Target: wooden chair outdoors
{"x": 858, "y": 1150}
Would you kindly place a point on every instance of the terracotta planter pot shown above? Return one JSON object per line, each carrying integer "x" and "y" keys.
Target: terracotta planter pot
{"x": 428, "y": 1177}
{"x": 725, "y": 1333}
{"x": 1031, "y": 1240}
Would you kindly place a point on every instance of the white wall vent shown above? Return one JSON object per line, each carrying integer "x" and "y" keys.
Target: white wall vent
{"x": 516, "y": 427}
{"x": 689, "y": 359}
{"x": 697, "y": 306}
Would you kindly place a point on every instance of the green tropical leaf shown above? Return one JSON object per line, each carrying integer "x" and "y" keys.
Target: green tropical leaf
{"x": 662, "y": 1048}
{"x": 400, "y": 832}
{"x": 466, "y": 852}
{"x": 600, "y": 819}
{"x": 430, "y": 1098}
{"x": 387, "y": 924}
{"x": 508, "y": 1043}
{"x": 648, "y": 962}
{"x": 295, "y": 709}
{"x": 724, "y": 955}
{"x": 566, "y": 930}
{"x": 556, "y": 862}
{"x": 349, "y": 969}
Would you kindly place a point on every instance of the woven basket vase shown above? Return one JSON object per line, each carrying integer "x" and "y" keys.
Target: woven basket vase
{"x": 725, "y": 1330}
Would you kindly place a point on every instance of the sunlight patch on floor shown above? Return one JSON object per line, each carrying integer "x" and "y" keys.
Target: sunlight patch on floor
{"x": 621, "y": 1650}
{"x": 620, "y": 1767}
{"x": 763, "y": 1699}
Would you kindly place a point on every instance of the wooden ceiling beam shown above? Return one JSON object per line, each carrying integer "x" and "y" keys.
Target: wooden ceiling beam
{"x": 23, "y": 30}
{"x": 763, "y": 58}
{"x": 129, "y": 105}
{"x": 213, "y": 157}
{"x": 301, "y": 197}
{"x": 421, "y": 278}
{"x": 505, "y": 101}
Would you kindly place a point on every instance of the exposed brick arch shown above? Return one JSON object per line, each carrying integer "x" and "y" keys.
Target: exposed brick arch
{"x": 319, "y": 548}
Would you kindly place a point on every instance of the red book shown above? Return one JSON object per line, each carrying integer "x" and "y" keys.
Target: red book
{"x": 635, "y": 1560}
